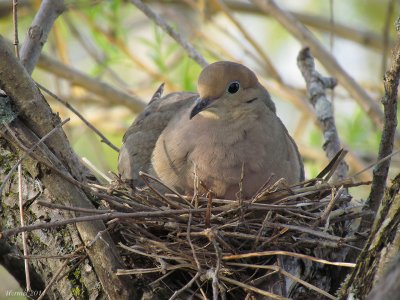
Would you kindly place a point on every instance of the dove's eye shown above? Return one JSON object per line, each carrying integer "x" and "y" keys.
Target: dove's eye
{"x": 233, "y": 87}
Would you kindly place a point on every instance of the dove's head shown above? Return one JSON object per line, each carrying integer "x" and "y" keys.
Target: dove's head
{"x": 225, "y": 86}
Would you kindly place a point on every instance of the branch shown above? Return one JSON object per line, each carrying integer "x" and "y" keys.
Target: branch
{"x": 307, "y": 39}
{"x": 267, "y": 61}
{"x": 363, "y": 37}
{"x": 192, "y": 52}
{"x": 389, "y": 101}
{"x": 106, "y": 216}
{"x": 385, "y": 217}
{"x": 39, "y": 119}
{"x": 316, "y": 85}
{"x": 37, "y": 34}
{"x": 382, "y": 244}
{"x": 34, "y": 110}
{"x": 95, "y": 86}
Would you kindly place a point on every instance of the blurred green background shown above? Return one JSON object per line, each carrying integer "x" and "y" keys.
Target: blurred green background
{"x": 115, "y": 43}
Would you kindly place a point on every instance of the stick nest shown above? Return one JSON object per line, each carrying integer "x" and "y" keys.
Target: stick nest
{"x": 211, "y": 247}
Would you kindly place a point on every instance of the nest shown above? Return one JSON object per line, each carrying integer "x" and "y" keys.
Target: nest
{"x": 204, "y": 247}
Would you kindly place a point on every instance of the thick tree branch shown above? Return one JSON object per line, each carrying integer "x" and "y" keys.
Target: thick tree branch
{"x": 387, "y": 211}
{"x": 34, "y": 110}
{"x": 38, "y": 32}
{"x": 316, "y": 85}
{"x": 389, "y": 101}
{"x": 307, "y": 39}
{"x": 381, "y": 241}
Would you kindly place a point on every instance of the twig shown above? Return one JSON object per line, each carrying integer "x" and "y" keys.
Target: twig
{"x": 107, "y": 216}
{"x": 66, "y": 256}
{"x": 79, "y": 184}
{"x": 252, "y": 288}
{"x": 207, "y": 219}
{"x": 300, "y": 32}
{"x": 166, "y": 200}
{"x": 157, "y": 256}
{"x": 37, "y": 34}
{"x": 92, "y": 167}
{"x": 316, "y": 85}
{"x": 145, "y": 175}
{"x": 375, "y": 164}
{"x": 191, "y": 244}
{"x": 185, "y": 287}
{"x": 325, "y": 214}
{"x": 53, "y": 280}
{"x": 309, "y": 231}
{"x": 338, "y": 163}
{"x": 121, "y": 272}
{"x": 211, "y": 235}
{"x": 15, "y": 22}
{"x": 29, "y": 151}
{"x": 292, "y": 254}
{"x": 192, "y": 52}
{"x": 87, "y": 123}
{"x": 287, "y": 274}
{"x": 20, "y": 203}
{"x": 24, "y": 235}
{"x": 77, "y": 209}
{"x": 57, "y": 275}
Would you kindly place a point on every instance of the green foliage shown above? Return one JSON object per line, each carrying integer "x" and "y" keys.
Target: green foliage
{"x": 160, "y": 49}
{"x": 315, "y": 137}
{"x": 169, "y": 59}
{"x": 358, "y": 132}
{"x": 88, "y": 145}
{"x": 78, "y": 289}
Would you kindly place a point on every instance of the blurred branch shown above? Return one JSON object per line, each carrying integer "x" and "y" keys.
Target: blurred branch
{"x": 37, "y": 34}
{"x": 363, "y": 37}
{"x": 6, "y": 8}
{"x": 386, "y": 33}
{"x": 316, "y": 85}
{"x": 87, "y": 44}
{"x": 192, "y": 52}
{"x": 96, "y": 86}
{"x": 122, "y": 46}
{"x": 369, "y": 105}
{"x": 268, "y": 64}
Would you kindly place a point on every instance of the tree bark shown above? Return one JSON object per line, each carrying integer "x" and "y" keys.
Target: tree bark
{"x": 383, "y": 244}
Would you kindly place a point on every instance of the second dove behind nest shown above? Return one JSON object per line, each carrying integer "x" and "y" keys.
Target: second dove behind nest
{"x": 229, "y": 136}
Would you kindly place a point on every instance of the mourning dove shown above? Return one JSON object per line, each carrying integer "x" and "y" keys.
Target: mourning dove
{"x": 229, "y": 136}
